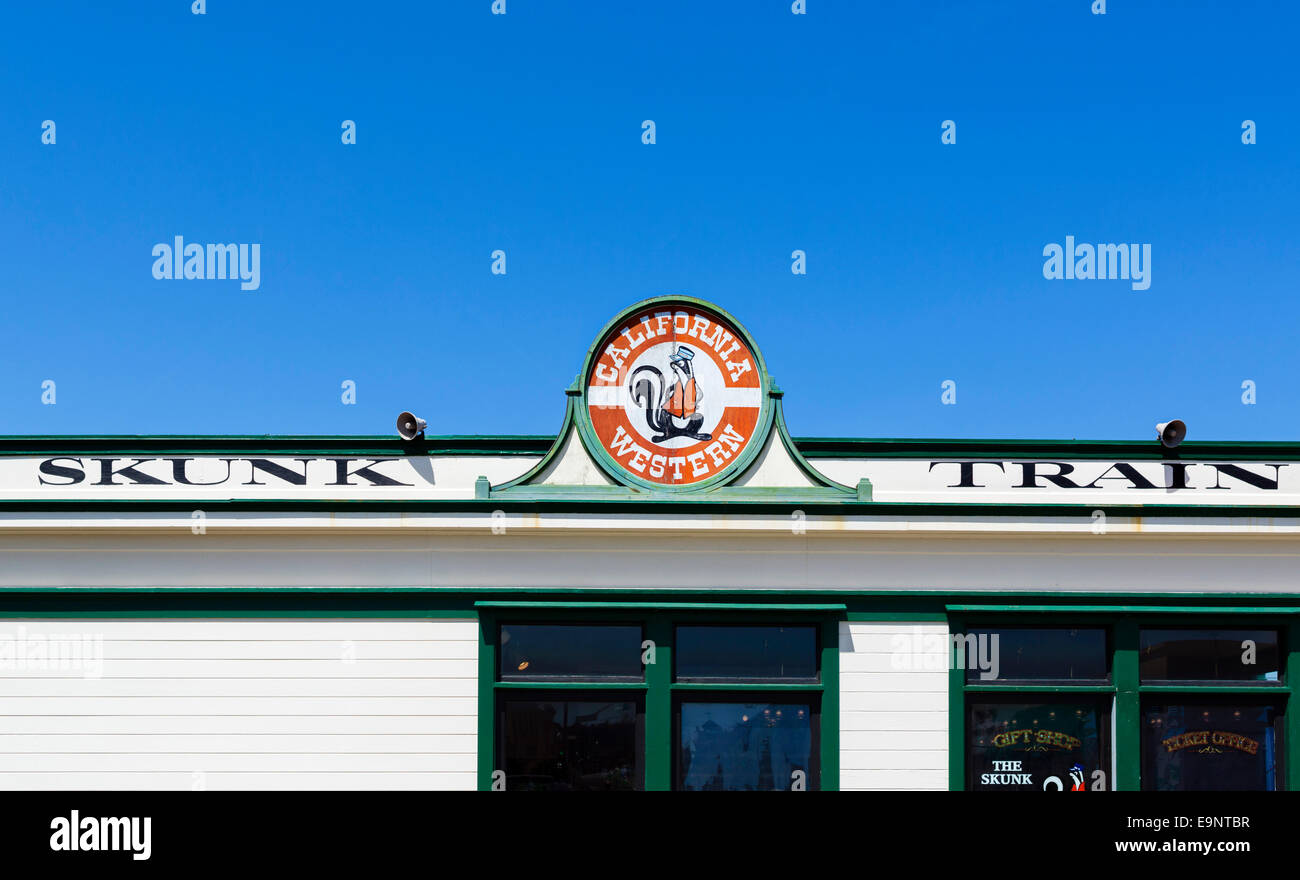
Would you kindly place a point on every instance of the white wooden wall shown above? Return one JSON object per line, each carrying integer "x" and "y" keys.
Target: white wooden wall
{"x": 244, "y": 704}
{"x": 739, "y": 557}
{"x": 893, "y": 721}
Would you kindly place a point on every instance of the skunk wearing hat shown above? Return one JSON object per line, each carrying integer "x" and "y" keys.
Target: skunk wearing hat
{"x": 671, "y": 411}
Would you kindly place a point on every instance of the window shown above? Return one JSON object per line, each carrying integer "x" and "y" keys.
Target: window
{"x": 1227, "y": 738}
{"x": 1046, "y": 745}
{"x": 746, "y": 653}
{"x": 571, "y": 744}
{"x": 1203, "y": 746}
{"x": 1125, "y": 700}
{"x": 566, "y": 740}
{"x": 1037, "y": 654}
{"x": 1209, "y": 655}
{"x": 740, "y": 745}
{"x": 535, "y": 652}
{"x": 657, "y": 700}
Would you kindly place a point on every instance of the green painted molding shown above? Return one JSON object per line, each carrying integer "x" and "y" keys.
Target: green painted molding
{"x": 861, "y": 492}
{"x": 538, "y": 444}
{"x": 1240, "y": 688}
{"x": 575, "y": 424}
{"x": 667, "y": 606}
{"x": 1291, "y": 716}
{"x": 1126, "y": 744}
{"x": 571, "y": 395}
{"x": 1123, "y": 609}
{"x": 738, "y": 501}
{"x": 659, "y": 691}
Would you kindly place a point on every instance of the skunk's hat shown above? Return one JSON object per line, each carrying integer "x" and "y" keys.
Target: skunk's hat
{"x": 682, "y": 354}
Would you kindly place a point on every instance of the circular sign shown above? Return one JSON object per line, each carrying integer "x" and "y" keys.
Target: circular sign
{"x": 675, "y": 394}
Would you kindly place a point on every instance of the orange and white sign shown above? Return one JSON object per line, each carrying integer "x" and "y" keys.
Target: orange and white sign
{"x": 674, "y": 394}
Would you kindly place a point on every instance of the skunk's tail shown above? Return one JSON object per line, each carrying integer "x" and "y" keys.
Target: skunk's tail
{"x": 647, "y": 387}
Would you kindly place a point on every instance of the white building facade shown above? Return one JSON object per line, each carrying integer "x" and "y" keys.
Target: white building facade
{"x": 670, "y": 593}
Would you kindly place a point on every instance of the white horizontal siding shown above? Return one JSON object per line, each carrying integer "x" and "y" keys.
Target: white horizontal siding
{"x": 893, "y": 708}
{"x": 242, "y": 704}
{"x": 893, "y": 780}
{"x": 238, "y": 687}
{"x": 573, "y": 550}
{"x": 239, "y": 781}
{"x": 306, "y": 649}
{"x": 41, "y": 706}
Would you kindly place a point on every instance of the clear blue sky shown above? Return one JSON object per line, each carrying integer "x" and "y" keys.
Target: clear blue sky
{"x": 774, "y": 132}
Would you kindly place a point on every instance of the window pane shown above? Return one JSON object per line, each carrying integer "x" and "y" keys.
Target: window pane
{"x": 544, "y": 651}
{"x": 733, "y": 746}
{"x": 1035, "y": 654}
{"x": 1048, "y": 746}
{"x": 1209, "y": 655}
{"x": 570, "y": 745}
{"x": 766, "y": 653}
{"x": 1215, "y": 747}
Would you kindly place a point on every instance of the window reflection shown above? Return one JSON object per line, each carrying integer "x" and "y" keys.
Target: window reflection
{"x": 1209, "y": 655}
{"x": 1210, "y": 747}
{"x": 559, "y": 651}
{"x": 745, "y": 746}
{"x": 1036, "y": 747}
{"x": 752, "y": 653}
{"x": 570, "y": 745}
{"x": 1025, "y": 654}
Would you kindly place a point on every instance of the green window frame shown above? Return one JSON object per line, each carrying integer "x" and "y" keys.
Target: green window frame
{"x": 1127, "y": 692}
{"x": 660, "y": 693}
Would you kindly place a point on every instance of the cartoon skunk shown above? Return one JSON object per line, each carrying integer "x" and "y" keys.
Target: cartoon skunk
{"x": 670, "y": 411}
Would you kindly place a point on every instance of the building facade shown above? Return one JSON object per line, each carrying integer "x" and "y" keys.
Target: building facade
{"x": 672, "y": 592}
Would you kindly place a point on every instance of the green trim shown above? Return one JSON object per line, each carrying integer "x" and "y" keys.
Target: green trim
{"x": 712, "y": 502}
{"x": 1122, "y": 609}
{"x": 975, "y": 688}
{"x": 1124, "y": 623}
{"x": 830, "y": 704}
{"x": 570, "y": 685}
{"x": 607, "y": 463}
{"x": 860, "y": 493}
{"x": 956, "y": 710}
{"x": 524, "y": 488}
{"x": 659, "y": 733}
{"x": 659, "y": 691}
{"x": 896, "y": 616}
{"x": 663, "y": 606}
{"x": 1126, "y": 742}
{"x": 487, "y": 706}
{"x": 538, "y": 444}
{"x": 1242, "y": 688}
{"x": 1291, "y": 722}
{"x": 741, "y": 686}
{"x": 552, "y": 451}
{"x": 1118, "y": 450}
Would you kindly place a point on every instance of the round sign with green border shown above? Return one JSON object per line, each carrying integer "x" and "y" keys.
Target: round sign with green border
{"x": 674, "y": 395}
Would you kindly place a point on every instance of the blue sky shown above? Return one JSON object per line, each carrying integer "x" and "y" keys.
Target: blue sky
{"x": 774, "y": 132}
